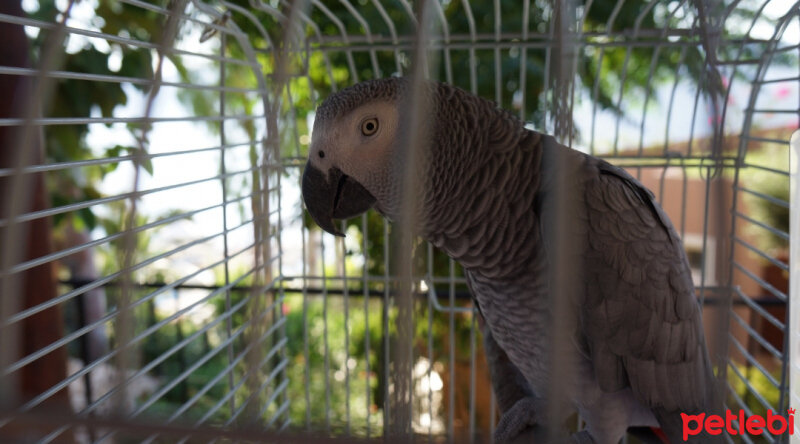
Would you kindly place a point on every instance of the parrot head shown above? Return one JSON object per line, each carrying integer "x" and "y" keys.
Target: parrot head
{"x": 349, "y": 168}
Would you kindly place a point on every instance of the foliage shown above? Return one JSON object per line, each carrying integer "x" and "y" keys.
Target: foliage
{"x": 760, "y": 386}
{"x": 77, "y": 98}
{"x": 319, "y": 324}
{"x": 606, "y": 72}
{"x": 773, "y": 185}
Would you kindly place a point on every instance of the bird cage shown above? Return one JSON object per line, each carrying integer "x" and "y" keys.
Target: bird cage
{"x": 161, "y": 281}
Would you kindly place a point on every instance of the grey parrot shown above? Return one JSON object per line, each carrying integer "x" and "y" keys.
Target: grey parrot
{"x": 637, "y": 348}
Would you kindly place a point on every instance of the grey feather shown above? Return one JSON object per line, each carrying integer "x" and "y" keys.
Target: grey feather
{"x": 487, "y": 190}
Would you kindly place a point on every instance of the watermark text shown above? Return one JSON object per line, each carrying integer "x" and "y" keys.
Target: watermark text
{"x": 738, "y": 424}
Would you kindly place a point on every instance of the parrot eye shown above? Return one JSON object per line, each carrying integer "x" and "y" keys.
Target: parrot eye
{"x": 369, "y": 126}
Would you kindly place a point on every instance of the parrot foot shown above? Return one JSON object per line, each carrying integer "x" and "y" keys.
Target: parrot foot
{"x": 518, "y": 424}
{"x": 582, "y": 437}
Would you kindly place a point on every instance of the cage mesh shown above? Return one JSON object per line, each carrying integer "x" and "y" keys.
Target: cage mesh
{"x": 159, "y": 278}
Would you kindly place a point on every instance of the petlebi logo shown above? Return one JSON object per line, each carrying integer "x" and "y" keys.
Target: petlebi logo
{"x": 738, "y": 424}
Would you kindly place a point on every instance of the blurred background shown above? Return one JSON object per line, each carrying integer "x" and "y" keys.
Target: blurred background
{"x": 159, "y": 278}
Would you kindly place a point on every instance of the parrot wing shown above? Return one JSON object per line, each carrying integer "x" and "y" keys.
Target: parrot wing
{"x": 640, "y": 316}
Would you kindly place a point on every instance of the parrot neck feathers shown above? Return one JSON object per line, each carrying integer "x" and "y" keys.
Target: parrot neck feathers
{"x": 481, "y": 183}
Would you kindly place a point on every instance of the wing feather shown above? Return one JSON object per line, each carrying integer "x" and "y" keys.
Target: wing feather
{"x": 640, "y": 314}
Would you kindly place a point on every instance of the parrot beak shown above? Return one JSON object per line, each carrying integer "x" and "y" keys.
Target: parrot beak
{"x": 336, "y": 196}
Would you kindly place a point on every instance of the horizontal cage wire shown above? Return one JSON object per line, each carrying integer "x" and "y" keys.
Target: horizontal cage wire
{"x": 161, "y": 281}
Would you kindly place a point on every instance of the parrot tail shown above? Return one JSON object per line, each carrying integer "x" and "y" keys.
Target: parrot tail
{"x": 649, "y": 435}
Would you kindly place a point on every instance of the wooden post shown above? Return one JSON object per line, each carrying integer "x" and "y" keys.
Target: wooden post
{"x": 24, "y": 241}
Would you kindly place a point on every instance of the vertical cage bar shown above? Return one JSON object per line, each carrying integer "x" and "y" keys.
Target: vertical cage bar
{"x": 472, "y": 376}
{"x": 306, "y": 355}
{"x": 498, "y": 71}
{"x": 326, "y": 353}
{"x": 223, "y": 184}
{"x": 346, "y": 298}
{"x": 791, "y": 354}
{"x": 523, "y": 60}
{"x": 431, "y": 357}
{"x": 385, "y": 328}
{"x": 451, "y": 340}
{"x": 706, "y": 213}
{"x": 365, "y": 286}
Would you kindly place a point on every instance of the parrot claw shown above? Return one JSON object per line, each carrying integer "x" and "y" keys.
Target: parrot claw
{"x": 519, "y": 423}
{"x": 582, "y": 437}
{"x": 523, "y": 423}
